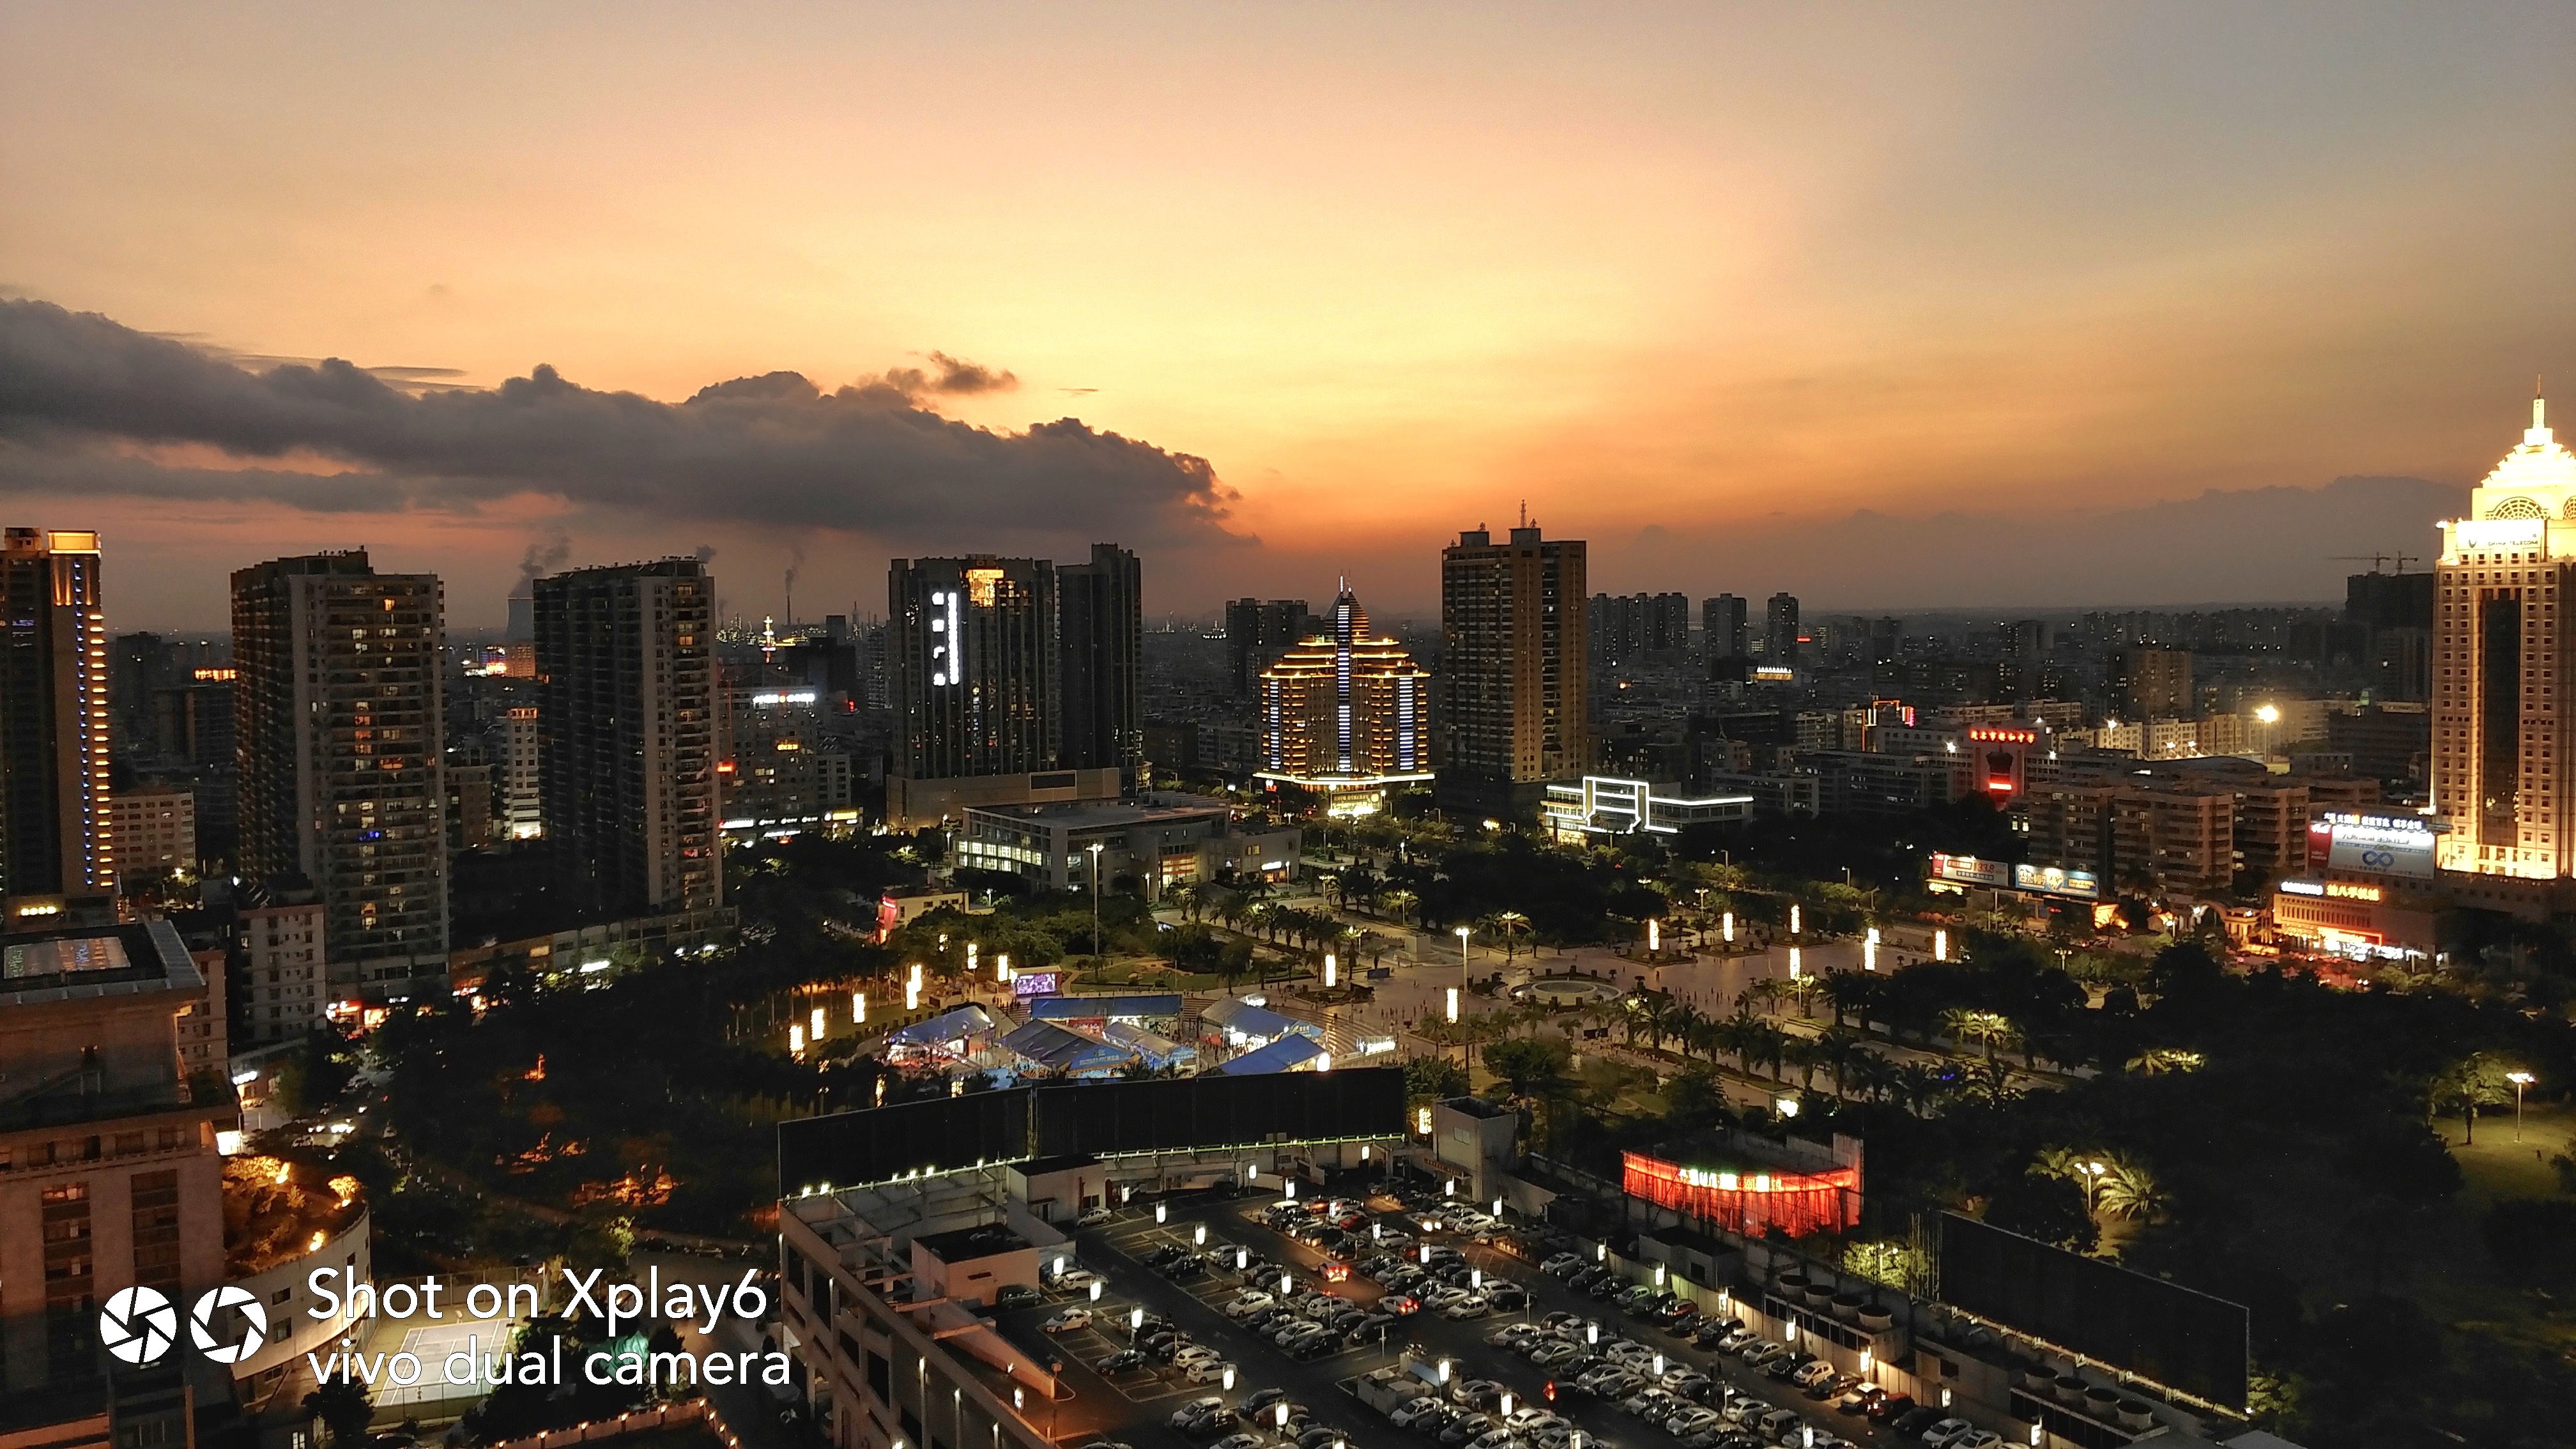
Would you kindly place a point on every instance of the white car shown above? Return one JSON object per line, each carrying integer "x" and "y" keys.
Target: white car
{"x": 1812, "y": 1375}
{"x": 1093, "y": 1218}
{"x": 1248, "y": 1305}
{"x": 1067, "y": 1321}
{"x": 1942, "y": 1434}
{"x": 1981, "y": 1439}
{"x": 1413, "y": 1411}
{"x": 1208, "y": 1371}
{"x": 1493, "y": 1439}
{"x": 1690, "y": 1421}
{"x": 1473, "y": 1305}
{"x": 1195, "y": 1353}
{"x": 1075, "y": 1279}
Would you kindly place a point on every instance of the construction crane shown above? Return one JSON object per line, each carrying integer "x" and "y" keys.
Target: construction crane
{"x": 2377, "y": 560}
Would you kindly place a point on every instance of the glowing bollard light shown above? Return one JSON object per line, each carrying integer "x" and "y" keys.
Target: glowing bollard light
{"x": 1160, "y": 1212}
{"x": 819, "y": 1018}
{"x": 1795, "y": 916}
{"x": 795, "y": 1040}
{"x": 1426, "y": 1255}
{"x": 1869, "y": 951}
{"x": 1286, "y": 1285}
{"x": 1444, "y": 1370}
{"x": 1453, "y": 1006}
{"x": 1328, "y": 971}
{"x": 970, "y": 958}
{"x": 1200, "y": 1237}
{"x": 1507, "y": 1406}
{"x": 1282, "y": 1420}
{"x": 1242, "y": 1259}
{"x": 858, "y": 1008}
{"x": 1659, "y": 1365}
{"x": 1476, "y": 1279}
{"x": 1654, "y": 935}
{"x": 1726, "y": 927}
{"x": 1229, "y": 1378}
{"x": 1592, "y": 1333}
{"x": 1793, "y": 963}
{"x": 1940, "y": 945}
{"x": 912, "y": 995}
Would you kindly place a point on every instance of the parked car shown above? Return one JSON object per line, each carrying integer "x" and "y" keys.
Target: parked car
{"x": 1195, "y": 1408}
{"x": 1238, "y": 1441}
{"x": 1125, "y": 1360}
{"x": 1208, "y": 1371}
{"x": 1413, "y": 1411}
{"x": 1942, "y": 1431}
{"x": 1094, "y": 1218}
{"x": 1248, "y": 1305}
{"x": 1467, "y": 1428}
{"x": 1067, "y": 1321}
{"x": 1015, "y": 1295}
{"x": 1075, "y": 1280}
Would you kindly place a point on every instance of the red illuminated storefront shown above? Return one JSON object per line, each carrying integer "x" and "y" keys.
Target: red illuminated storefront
{"x": 1750, "y": 1203}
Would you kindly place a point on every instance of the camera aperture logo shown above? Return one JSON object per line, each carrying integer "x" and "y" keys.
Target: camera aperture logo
{"x": 139, "y": 1325}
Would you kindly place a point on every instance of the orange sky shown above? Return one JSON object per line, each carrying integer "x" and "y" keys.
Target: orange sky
{"x": 1730, "y": 273}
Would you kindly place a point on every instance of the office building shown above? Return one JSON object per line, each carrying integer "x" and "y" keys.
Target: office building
{"x": 1780, "y": 631}
{"x": 1516, "y": 656}
{"x": 518, "y": 784}
{"x": 1346, "y": 713}
{"x": 1100, "y": 622}
{"x": 1256, "y": 630}
{"x": 1721, "y": 624}
{"x": 782, "y": 773}
{"x": 338, "y": 718}
{"x": 55, "y": 836}
{"x": 2504, "y": 697}
{"x": 626, "y": 729}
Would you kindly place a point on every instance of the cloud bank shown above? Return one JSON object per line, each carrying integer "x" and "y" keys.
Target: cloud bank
{"x": 89, "y": 406}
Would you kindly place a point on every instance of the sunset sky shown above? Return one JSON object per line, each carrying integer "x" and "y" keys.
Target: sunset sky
{"x": 1890, "y": 306}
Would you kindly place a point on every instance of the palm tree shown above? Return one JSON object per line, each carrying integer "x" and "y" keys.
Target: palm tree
{"x": 1965, "y": 1023}
{"x": 1767, "y": 1045}
{"x": 2157, "y": 1061}
{"x": 1840, "y": 1050}
{"x": 1399, "y": 903}
{"x": 1762, "y": 993}
{"x": 1850, "y": 993}
{"x": 1804, "y": 990}
{"x": 1919, "y": 1085}
{"x": 2131, "y": 1192}
{"x": 1874, "y": 1074}
{"x": 1806, "y": 1055}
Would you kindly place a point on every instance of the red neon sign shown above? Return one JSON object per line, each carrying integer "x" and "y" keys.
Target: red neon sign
{"x": 1750, "y": 1203}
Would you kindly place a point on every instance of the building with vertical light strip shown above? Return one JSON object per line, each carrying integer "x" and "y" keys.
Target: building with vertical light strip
{"x": 2504, "y": 669}
{"x": 1343, "y": 714}
{"x": 55, "y": 836}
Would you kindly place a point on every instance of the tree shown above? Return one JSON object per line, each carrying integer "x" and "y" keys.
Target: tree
{"x": 1968, "y": 1024}
{"x": 2131, "y": 1192}
{"x": 2050, "y": 1209}
{"x": 2532, "y": 1238}
{"x": 343, "y": 1409}
{"x": 1530, "y": 1070}
{"x": 2468, "y": 1083}
{"x": 1437, "y": 1078}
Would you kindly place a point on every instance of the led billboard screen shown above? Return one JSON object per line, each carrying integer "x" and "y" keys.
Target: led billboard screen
{"x": 2378, "y": 844}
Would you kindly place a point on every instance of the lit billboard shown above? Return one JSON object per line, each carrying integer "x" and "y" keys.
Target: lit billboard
{"x": 1968, "y": 870}
{"x": 2057, "y": 880}
{"x": 1035, "y": 983}
{"x": 2380, "y": 844}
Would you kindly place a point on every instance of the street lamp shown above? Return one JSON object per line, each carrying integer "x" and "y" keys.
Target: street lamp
{"x": 1328, "y": 971}
{"x": 1794, "y": 918}
{"x": 1096, "y": 954}
{"x": 1453, "y": 1006}
{"x": 2520, "y": 1080}
{"x": 1940, "y": 945}
{"x": 1462, "y": 955}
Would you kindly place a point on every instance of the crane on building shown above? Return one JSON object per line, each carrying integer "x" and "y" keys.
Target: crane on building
{"x": 2378, "y": 560}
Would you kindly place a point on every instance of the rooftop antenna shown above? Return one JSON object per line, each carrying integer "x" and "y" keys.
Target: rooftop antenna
{"x": 1524, "y": 513}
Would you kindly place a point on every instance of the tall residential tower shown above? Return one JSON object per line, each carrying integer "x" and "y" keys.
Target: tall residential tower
{"x": 1100, "y": 620}
{"x": 338, "y": 727}
{"x": 1516, "y": 659}
{"x": 626, "y": 736}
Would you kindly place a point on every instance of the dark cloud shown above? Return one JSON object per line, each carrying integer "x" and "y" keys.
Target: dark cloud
{"x": 955, "y": 377}
{"x": 79, "y": 392}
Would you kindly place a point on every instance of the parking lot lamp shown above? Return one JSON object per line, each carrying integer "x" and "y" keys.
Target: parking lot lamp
{"x": 2520, "y": 1080}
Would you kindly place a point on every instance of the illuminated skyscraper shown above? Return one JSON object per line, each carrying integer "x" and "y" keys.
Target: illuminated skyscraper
{"x": 338, "y": 722}
{"x": 2504, "y": 668}
{"x": 54, "y": 834}
{"x": 1345, "y": 713}
{"x": 626, "y": 736}
{"x": 1516, "y": 665}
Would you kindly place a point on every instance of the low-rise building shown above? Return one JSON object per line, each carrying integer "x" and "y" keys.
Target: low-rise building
{"x": 1159, "y": 840}
{"x": 154, "y": 825}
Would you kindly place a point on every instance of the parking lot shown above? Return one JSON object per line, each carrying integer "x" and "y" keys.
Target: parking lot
{"x": 1133, "y": 1406}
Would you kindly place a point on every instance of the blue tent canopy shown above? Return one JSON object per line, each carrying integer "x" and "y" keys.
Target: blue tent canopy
{"x": 1158, "y": 1051}
{"x": 965, "y": 1021}
{"x": 1141, "y": 1007}
{"x": 1239, "y": 1018}
{"x": 1285, "y": 1054}
{"x": 1054, "y": 1048}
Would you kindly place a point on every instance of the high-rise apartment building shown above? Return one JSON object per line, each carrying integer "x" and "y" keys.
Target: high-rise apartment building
{"x": 626, "y": 730}
{"x": 1516, "y": 658}
{"x": 1347, "y": 711}
{"x": 1780, "y": 630}
{"x": 974, "y": 665}
{"x": 518, "y": 794}
{"x": 2150, "y": 684}
{"x": 2504, "y": 668}
{"x": 1100, "y": 618}
{"x": 1256, "y": 630}
{"x": 55, "y": 835}
{"x": 339, "y": 726}
{"x": 1628, "y": 627}
{"x": 1721, "y": 625}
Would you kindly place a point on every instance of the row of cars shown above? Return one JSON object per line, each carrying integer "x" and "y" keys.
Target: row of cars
{"x": 1812, "y": 1376}
{"x": 1308, "y": 1325}
{"x": 1266, "y": 1419}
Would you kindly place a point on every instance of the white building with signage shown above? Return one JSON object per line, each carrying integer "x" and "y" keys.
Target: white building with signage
{"x": 1608, "y": 805}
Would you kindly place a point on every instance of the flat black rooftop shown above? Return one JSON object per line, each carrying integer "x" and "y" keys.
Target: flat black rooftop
{"x": 1064, "y": 1162}
{"x": 966, "y": 1244}
{"x": 1476, "y": 1107}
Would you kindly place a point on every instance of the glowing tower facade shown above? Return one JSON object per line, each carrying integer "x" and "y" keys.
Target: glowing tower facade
{"x": 1344, "y": 712}
{"x": 2504, "y": 668}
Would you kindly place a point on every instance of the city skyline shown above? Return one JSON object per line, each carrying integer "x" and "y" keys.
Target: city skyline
{"x": 1750, "y": 302}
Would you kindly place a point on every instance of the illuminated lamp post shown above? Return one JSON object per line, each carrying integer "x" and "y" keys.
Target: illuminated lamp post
{"x": 1328, "y": 971}
{"x": 1940, "y": 945}
{"x": 1869, "y": 951}
{"x": 1097, "y": 956}
{"x": 2520, "y": 1080}
{"x": 1796, "y": 919}
{"x": 1453, "y": 1006}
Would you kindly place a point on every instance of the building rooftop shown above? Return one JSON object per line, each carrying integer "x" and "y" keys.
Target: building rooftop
{"x": 1111, "y": 814}
{"x": 962, "y": 1244}
{"x": 79, "y": 962}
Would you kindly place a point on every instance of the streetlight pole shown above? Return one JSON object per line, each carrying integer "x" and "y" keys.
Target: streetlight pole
{"x": 2520, "y": 1080}
{"x": 1097, "y": 956}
